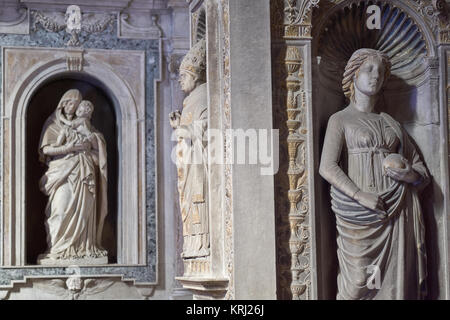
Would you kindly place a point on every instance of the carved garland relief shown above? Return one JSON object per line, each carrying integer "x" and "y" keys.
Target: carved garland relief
{"x": 73, "y": 22}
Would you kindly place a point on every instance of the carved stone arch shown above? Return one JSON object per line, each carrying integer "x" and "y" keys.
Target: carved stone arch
{"x": 415, "y": 10}
{"x": 129, "y": 106}
{"x": 342, "y": 29}
{"x": 109, "y": 80}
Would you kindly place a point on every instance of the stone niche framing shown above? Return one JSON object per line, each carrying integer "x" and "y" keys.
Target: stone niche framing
{"x": 312, "y": 40}
{"x": 411, "y": 96}
{"x": 122, "y": 76}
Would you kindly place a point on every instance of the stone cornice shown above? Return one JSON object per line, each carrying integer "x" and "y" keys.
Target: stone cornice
{"x": 97, "y": 6}
{"x": 178, "y": 3}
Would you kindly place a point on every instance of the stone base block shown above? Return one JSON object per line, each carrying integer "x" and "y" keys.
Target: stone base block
{"x": 71, "y": 262}
{"x": 205, "y": 288}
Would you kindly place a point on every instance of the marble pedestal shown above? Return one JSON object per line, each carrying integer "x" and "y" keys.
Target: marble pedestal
{"x": 70, "y": 262}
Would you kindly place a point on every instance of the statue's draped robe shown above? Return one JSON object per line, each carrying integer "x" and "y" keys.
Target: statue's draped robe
{"x": 76, "y": 184}
{"x": 192, "y": 173}
{"x": 378, "y": 258}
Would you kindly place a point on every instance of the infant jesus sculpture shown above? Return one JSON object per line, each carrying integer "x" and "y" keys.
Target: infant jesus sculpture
{"x": 79, "y": 130}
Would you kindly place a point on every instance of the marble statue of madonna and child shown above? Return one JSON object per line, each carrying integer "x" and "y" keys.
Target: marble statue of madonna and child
{"x": 380, "y": 226}
{"x": 75, "y": 183}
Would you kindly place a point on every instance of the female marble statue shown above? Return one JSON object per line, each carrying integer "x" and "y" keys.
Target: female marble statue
{"x": 381, "y": 249}
{"x": 191, "y": 151}
{"x": 75, "y": 182}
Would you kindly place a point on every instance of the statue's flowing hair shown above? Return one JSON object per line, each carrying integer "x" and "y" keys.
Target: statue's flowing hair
{"x": 353, "y": 65}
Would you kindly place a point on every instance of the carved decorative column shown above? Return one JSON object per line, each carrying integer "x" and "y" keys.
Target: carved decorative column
{"x": 297, "y": 173}
{"x": 297, "y": 39}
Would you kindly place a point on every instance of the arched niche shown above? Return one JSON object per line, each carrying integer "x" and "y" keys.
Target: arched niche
{"x": 411, "y": 97}
{"x": 104, "y": 119}
{"x": 119, "y": 75}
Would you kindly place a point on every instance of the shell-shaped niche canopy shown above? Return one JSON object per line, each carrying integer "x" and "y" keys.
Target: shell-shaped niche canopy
{"x": 200, "y": 27}
{"x": 346, "y": 31}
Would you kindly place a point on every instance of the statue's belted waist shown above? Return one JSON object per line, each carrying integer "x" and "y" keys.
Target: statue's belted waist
{"x": 370, "y": 151}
